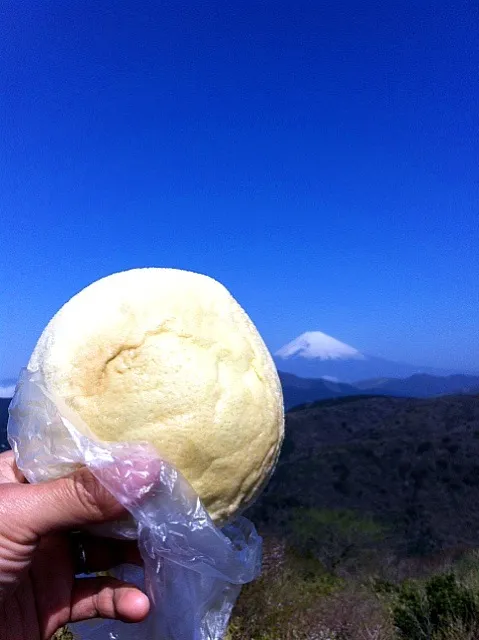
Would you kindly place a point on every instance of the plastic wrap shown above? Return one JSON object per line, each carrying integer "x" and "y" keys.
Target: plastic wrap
{"x": 193, "y": 571}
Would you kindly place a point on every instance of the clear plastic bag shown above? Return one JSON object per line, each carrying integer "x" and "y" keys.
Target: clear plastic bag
{"x": 193, "y": 571}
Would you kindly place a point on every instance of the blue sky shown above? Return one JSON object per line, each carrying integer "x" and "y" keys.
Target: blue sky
{"x": 319, "y": 158}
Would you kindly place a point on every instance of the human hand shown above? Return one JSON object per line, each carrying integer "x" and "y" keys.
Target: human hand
{"x": 39, "y": 592}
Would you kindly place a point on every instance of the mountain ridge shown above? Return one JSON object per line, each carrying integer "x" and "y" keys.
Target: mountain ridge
{"x": 299, "y": 391}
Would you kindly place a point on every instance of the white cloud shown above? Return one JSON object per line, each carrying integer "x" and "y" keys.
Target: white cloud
{"x": 330, "y": 378}
{"x": 6, "y": 390}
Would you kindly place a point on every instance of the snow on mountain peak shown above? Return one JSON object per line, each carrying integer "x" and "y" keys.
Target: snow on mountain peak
{"x": 318, "y": 345}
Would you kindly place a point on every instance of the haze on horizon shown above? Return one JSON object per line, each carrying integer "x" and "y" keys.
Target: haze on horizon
{"x": 319, "y": 159}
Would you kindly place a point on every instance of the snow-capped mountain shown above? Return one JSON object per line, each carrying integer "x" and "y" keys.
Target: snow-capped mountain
{"x": 314, "y": 354}
{"x": 317, "y": 345}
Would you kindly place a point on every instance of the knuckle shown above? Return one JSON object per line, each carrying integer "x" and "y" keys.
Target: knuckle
{"x": 105, "y": 603}
{"x": 88, "y": 493}
{"x": 95, "y": 501}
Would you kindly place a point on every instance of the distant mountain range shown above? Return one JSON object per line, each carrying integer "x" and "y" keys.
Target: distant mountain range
{"x": 316, "y": 366}
{"x": 299, "y": 391}
{"x": 317, "y": 355}
{"x": 422, "y": 385}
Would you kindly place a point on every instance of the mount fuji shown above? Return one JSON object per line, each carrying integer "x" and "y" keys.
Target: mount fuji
{"x": 314, "y": 354}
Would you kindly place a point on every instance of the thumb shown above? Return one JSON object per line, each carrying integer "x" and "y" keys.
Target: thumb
{"x": 67, "y": 503}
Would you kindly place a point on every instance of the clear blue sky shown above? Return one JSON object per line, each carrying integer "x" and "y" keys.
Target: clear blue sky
{"x": 319, "y": 158}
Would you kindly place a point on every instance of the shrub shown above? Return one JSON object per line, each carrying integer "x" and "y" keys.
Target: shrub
{"x": 425, "y": 611}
